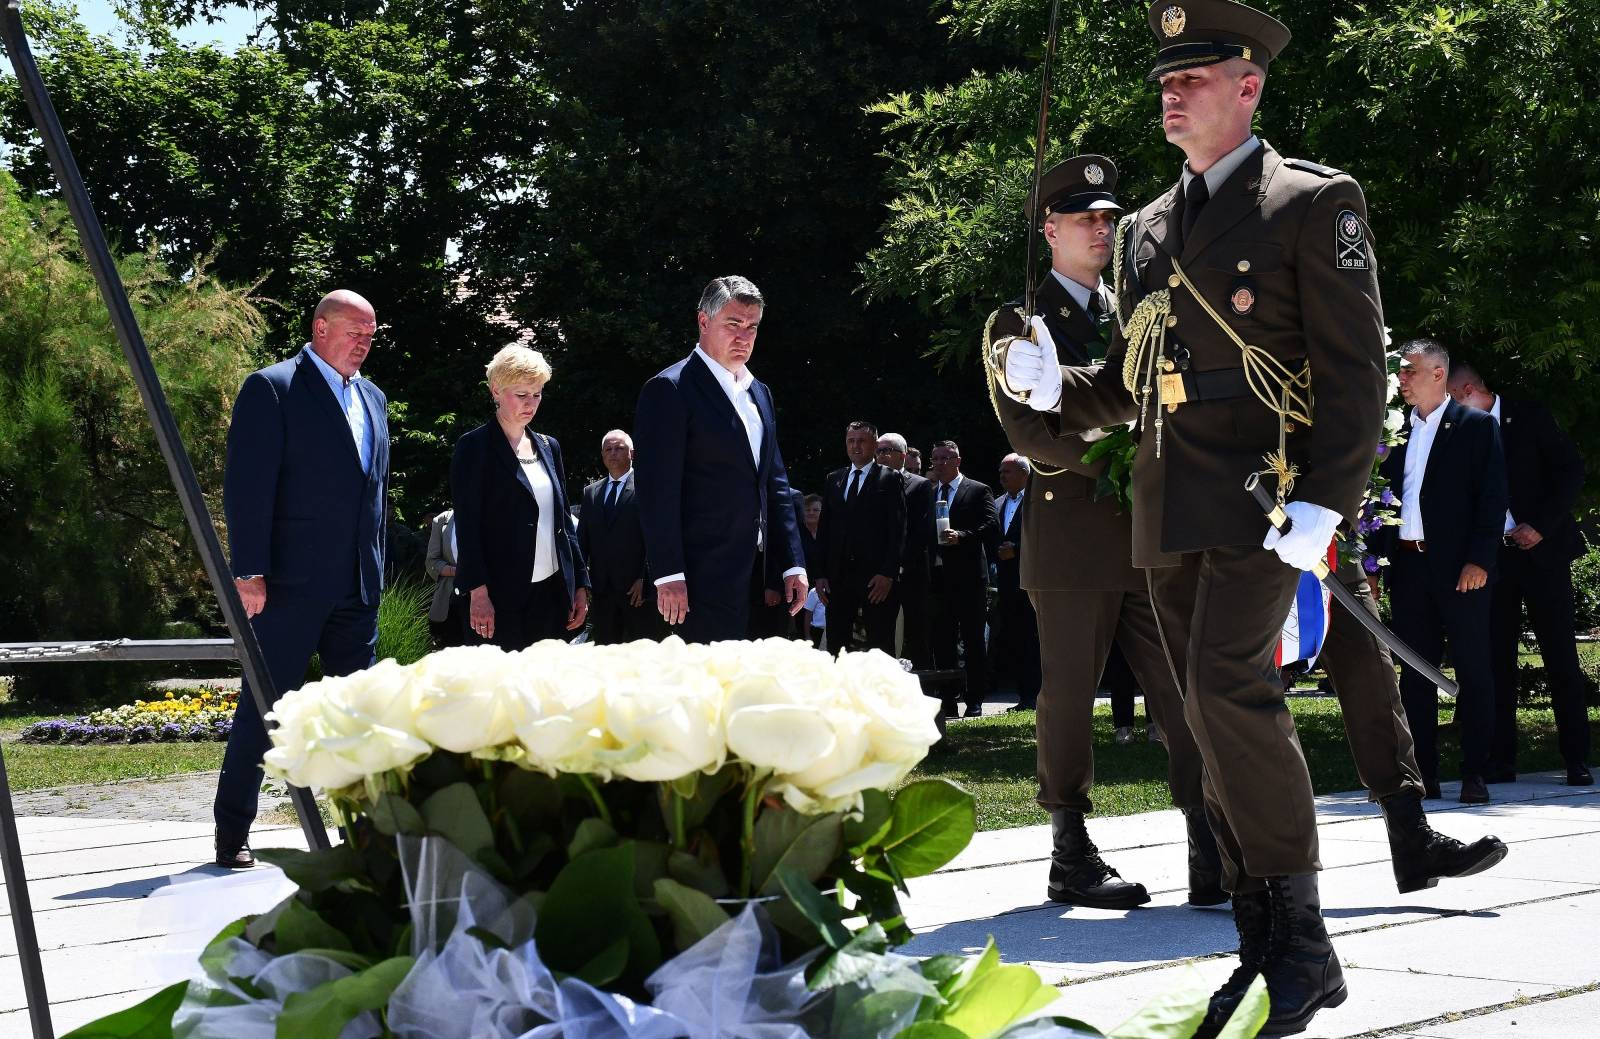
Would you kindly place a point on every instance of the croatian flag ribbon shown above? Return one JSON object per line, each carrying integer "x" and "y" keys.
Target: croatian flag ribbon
{"x": 1305, "y": 630}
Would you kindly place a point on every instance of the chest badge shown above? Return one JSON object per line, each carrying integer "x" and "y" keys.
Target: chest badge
{"x": 1243, "y": 300}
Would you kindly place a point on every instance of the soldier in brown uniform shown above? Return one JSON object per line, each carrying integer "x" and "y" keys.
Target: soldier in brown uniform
{"x": 1077, "y": 563}
{"x": 1243, "y": 288}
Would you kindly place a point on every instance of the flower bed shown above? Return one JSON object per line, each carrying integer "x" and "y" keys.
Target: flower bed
{"x": 655, "y": 841}
{"x": 196, "y": 716}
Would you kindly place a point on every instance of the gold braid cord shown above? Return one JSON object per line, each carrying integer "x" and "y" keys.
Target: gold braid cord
{"x": 994, "y": 401}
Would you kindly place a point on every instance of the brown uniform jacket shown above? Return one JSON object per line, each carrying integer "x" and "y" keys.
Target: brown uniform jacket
{"x": 1294, "y": 235}
{"x": 1072, "y": 541}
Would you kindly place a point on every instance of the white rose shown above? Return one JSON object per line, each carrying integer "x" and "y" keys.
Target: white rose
{"x": 1393, "y": 421}
{"x": 336, "y": 732}
{"x": 564, "y": 728}
{"x": 779, "y": 737}
{"x": 897, "y": 715}
{"x": 665, "y": 727}
{"x": 468, "y": 698}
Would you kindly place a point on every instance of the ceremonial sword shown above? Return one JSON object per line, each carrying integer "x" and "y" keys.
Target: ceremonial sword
{"x": 1345, "y": 597}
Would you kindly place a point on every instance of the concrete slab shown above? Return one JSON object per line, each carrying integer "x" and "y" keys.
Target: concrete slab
{"x": 67, "y": 1015}
{"x": 1561, "y": 1018}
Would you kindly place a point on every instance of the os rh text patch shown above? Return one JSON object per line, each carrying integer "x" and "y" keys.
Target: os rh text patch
{"x": 1352, "y": 250}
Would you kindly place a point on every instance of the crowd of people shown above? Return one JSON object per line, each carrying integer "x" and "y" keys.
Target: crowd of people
{"x": 1249, "y": 282}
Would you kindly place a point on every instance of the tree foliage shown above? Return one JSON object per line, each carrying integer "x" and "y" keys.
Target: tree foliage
{"x": 95, "y": 544}
{"x": 1473, "y": 126}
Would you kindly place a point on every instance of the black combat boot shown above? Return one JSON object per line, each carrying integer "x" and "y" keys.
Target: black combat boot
{"x": 1302, "y": 971}
{"x": 1205, "y": 862}
{"x": 1421, "y": 855}
{"x": 1252, "y": 917}
{"x": 1079, "y": 875}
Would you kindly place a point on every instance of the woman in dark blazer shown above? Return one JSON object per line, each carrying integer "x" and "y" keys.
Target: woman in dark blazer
{"x": 518, "y": 560}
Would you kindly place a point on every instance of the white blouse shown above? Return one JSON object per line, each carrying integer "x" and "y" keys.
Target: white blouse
{"x": 537, "y": 480}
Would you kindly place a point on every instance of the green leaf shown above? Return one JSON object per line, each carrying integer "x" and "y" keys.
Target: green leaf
{"x": 823, "y": 912}
{"x": 855, "y": 961}
{"x": 455, "y": 814}
{"x": 393, "y": 814}
{"x": 997, "y": 999}
{"x": 1251, "y": 1014}
{"x": 593, "y": 833}
{"x": 1174, "y": 1014}
{"x": 859, "y": 834}
{"x": 530, "y": 797}
{"x": 323, "y": 1012}
{"x": 872, "y": 1015}
{"x": 931, "y": 1030}
{"x": 933, "y": 820}
{"x": 316, "y": 871}
{"x": 701, "y": 871}
{"x": 300, "y": 927}
{"x": 785, "y": 839}
{"x": 215, "y": 958}
{"x": 590, "y": 907}
{"x": 693, "y": 913}
{"x": 151, "y": 1019}
{"x": 708, "y": 794}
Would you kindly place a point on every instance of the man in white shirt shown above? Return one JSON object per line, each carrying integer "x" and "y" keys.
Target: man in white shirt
{"x": 713, "y": 493}
{"x": 861, "y": 536}
{"x": 1451, "y": 480}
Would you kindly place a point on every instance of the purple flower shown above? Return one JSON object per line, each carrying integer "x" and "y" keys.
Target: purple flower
{"x": 169, "y": 732}
{"x": 109, "y": 733}
{"x": 141, "y": 734}
{"x": 1387, "y": 497}
{"x": 1383, "y": 450}
{"x": 1369, "y": 563}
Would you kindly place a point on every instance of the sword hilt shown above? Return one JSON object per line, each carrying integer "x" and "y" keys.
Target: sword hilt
{"x": 1275, "y": 515}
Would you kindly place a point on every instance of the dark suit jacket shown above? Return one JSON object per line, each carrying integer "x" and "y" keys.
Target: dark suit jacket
{"x": 966, "y": 563}
{"x": 1464, "y": 494}
{"x": 613, "y": 549}
{"x": 917, "y": 553}
{"x": 497, "y": 520}
{"x": 865, "y": 536}
{"x": 1545, "y": 474}
{"x": 1075, "y": 540}
{"x": 300, "y": 511}
{"x": 702, "y": 500}
{"x": 1008, "y": 572}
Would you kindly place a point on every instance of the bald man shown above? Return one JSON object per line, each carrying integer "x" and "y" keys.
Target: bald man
{"x": 304, "y": 493}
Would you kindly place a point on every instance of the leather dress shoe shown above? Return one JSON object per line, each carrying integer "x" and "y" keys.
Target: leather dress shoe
{"x": 974, "y": 710}
{"x": 1421, "y": 855}
{"x": 1579, "y": 775}
{"x": 233, "y": 852}
{"x": 1078, "y": 875}
{"x": 1473, "y": 791}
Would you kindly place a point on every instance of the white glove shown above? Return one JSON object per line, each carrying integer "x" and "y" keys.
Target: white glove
{"x": 1033, "y": 367}
{"x": 1311, "y": 530}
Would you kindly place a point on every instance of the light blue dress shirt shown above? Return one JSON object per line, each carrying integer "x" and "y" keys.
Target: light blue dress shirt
{"x": 344, "y": 391}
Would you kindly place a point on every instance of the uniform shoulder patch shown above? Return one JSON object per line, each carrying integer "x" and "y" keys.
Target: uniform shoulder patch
{"x": 1352, "y": 246}
{"x": 1313, "y": 167}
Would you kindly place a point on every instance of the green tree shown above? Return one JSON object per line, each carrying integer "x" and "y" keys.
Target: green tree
{"x": 1473, "y": 127}
{"x": 95, "y": 544}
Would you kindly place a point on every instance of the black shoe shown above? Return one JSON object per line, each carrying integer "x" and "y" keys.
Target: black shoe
{"x": 1078, "y": 875}
{"x": 1252, "y": 917}
{"x": 947, "y": 709}
{"x": 1579, "y": 775}
{"x": 1019, "y": 708}
{"x": 1500, "y": 775}
{"x": 1421, "y": 855}
{"x": 233, "y": 850}
{"x": 1430, "y": 790}
{"x": 1205, "y": 862}
{"x": 1302, "y": 971}
{"x": 974, "y": 710}
{"x": 1473, "y": 791}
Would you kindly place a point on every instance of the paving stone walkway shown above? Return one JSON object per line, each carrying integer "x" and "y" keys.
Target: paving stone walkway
{"x": 1509, "y": 953}
{"x": 185, "y": 798}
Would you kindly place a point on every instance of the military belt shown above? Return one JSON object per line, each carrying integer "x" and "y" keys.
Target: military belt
{"x": 1218, "y": 384}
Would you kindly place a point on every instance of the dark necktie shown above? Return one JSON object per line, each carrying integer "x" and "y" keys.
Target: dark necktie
{"x": 1097, "y": 308}
{"x": 944, "y": 492}
{"x": 855, "y": 485}
{"x": 1195, "y": 197}
{"x": 611, "y": 498}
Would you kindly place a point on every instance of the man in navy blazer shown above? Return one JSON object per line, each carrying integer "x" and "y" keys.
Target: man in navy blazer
{"x": 710, "y": 481}
{"x": 304, "y": 492}
{"x": 623, "y": 608}
{"x": 1450, "y": 477}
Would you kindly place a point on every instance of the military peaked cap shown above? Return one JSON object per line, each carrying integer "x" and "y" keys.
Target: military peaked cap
{"x": 1079, "y": 184}
{"x": 1192, "y": 33}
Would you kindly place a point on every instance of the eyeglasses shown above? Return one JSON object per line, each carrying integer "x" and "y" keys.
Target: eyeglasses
{"x": 887, "y": 451}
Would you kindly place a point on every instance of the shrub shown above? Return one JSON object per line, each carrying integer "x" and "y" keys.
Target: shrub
{"x": 1586, "y": 590}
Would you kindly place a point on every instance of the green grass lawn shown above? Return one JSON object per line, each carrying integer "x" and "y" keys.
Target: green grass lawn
{"x": 32, "y": 766}
{"x": 994, "y": 758}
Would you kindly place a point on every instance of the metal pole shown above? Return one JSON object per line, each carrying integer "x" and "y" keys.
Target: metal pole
{"x": 22, "y": 914}
{"x": 93, "y": 241}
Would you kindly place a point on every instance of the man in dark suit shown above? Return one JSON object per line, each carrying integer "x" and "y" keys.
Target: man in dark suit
{"x": 713, "y": 492}
{"x": 1016, "y": 628}
{"x": 304, "y": 492}
{"x": 612, "y": 540}
{"x": 1451, "y": 481}
{"x": 1544, "y": 473}
{"x": 960, "y": 568}
{"x": 915, "y": 553}
{"x": 862, "y": 535}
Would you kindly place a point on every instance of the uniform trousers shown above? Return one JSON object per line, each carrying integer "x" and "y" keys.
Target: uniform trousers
{"x": 1076, "y": 631}
{"x": 342, "y": 632}
{"x": 1548, "y": 594}
{"x": 1361, "y": 672}
{"x": 1221, "y": 615}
